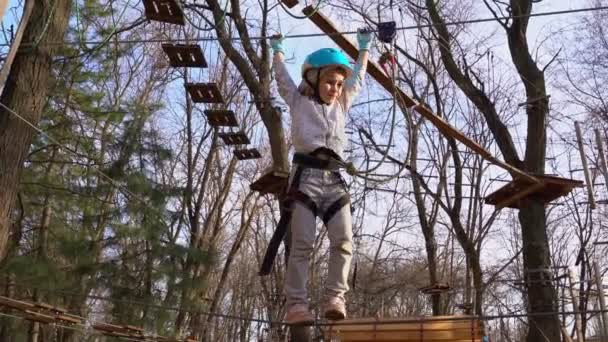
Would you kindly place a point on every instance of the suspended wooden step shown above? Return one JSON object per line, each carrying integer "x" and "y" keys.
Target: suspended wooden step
{"x": 273, "y": 182}
{"x": 234, "y": 138}
{"x": 182, "y": 55}
{"x": 204, "y": 92}
{"x": 125, "y": 331}
{"x": 549, "y": 188}
{"x": 41, "y": 312}
{"x": 423, "y": 329}
{"x": 244, "y": 154}
{"x": 166, "y": 11}
{"x": 221, "y": 117}
{"x": 435, "y": 288}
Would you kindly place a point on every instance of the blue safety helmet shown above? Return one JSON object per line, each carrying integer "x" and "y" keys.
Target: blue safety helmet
{"x": 324, "y": 58}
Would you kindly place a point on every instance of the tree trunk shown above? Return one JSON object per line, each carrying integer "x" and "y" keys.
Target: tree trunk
{"x": 541, "y": 296}
{"x": 537, "y": 263}
{"x": 25, "y": 92}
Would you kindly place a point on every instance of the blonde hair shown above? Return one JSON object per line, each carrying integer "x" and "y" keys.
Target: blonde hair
{"x": 305, "y": 89}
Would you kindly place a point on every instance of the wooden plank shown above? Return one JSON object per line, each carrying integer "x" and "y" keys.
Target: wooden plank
{"x": 601, "y": 155}
{"x": 460, "y": 325}
{"x": 245, "y": 154}
{"x": 273, "y": 182}
{"x": 204, "y": 92}
{"x": 415, "y": 340}
{"x": 221, "y": 118}
{"x": 133, "y": 328}
{"x": 581, "y": 149}
{"x": 289, "y": 3}
{"x": 419, "y": 336}
{"x": 38, "y": 317}
{"x": 3, "y": 4}
{"x": 16, "y": 304}
{"x": 49, "y": 307}
{"x": 234, "y": 138}
{"x": 8, "y": 60}
{"x": 519, "y": 195}
{"x": 376, "y": 72}
{"x": 70, "y": 318}
{"x": 167, "y": 11}
{"x": 185, "y": 55}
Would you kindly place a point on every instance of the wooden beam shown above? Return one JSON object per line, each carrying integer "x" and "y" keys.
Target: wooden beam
{"x": 519, "y": 195}
{"x": 289, "y": 3}
{"x": 600, "y": 150}
{"x": 325, "y": 24}
{"x": 8, "y": 61}
{"x": 581, "y": 149}
{"x": 421, "y": 329}
{"x": 3, "y": 4}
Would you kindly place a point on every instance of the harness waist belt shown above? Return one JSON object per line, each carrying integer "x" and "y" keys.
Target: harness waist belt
{"x": 309, "y": 161}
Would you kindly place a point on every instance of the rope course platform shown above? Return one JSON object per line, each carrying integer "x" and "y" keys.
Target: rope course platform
{"x": 273, "y": 182}
{"x": 166, "y": 11}
{"x": 204, "y": 92}
{"x": 185, "y": 55}
{"x": 524, "y": 184}
{"x": 221, "y": 118}
{"x": 550, "y": 188}
{"x": 423, "y": 329}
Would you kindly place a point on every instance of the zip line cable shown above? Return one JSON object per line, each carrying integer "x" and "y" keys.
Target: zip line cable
{"x": 308, "y": 35}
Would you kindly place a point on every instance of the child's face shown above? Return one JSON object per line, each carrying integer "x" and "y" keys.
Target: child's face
{"x": 330, "y": 86}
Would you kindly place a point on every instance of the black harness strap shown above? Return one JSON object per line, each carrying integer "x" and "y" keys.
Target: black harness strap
{"x": 335, "y": 207}
{"x": 275, "y": 242}
{"x": 299, "y": 196}
{"x": 294, "y": 194}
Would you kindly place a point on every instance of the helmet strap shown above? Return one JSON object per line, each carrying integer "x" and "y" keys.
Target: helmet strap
{"x": 315, "y": 87}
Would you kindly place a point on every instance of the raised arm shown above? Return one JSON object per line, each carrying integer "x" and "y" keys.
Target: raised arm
{"x": 354, "y": 83}
{"x": 287, "y": 87}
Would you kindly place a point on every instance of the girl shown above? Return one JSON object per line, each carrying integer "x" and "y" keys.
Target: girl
{"x": 318, "y": 108}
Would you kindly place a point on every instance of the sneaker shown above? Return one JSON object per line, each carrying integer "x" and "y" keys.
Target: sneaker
{"x": 298, "y": 314}
{"x": 334, "y": 308}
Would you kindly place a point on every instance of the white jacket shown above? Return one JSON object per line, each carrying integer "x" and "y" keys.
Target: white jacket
{"x": 315, "y": 125}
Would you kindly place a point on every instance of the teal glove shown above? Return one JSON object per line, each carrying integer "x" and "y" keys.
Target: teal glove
{"x": 364, "y": 38}
{"x": 276, "y": 42}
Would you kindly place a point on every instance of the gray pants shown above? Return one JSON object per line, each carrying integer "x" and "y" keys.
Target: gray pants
{"x": 324, "y": 188}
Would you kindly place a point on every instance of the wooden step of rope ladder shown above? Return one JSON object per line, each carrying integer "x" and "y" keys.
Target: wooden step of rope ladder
{"x": 420, "y": 329}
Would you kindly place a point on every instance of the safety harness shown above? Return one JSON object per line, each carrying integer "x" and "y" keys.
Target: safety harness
{"x": 323, "y": 159}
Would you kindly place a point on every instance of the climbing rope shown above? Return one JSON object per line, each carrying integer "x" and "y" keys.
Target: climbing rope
{"x": 352, "y": 170}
